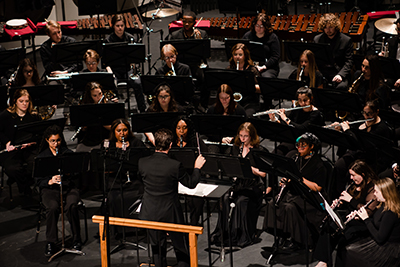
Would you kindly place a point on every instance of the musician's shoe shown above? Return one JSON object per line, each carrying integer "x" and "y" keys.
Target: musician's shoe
{"x": 291, "y": 245}
{"x": 50, "y": 249}
{"x": 77, "y": 245}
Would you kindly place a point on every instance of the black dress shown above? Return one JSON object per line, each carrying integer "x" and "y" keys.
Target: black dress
{"x": 319, "y": 78}
{"x": 247, "y": 196}
{"x": 382, "y": 248}
{"x": 290, "y": 213}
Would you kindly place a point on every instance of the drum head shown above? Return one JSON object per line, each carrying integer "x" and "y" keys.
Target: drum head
{"x": 16, "y": 23}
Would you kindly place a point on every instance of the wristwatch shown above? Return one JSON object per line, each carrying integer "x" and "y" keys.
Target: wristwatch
{"x": 287, "y": 120}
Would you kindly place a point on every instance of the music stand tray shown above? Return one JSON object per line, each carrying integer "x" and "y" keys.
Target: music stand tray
{"x": 191, "y": 50}
{"x": 33, "y": 131}
{"x": 256, "y": 49}
{"x": 67, "y": 53}
{"x": 122, "y": 54}
{"x": 80, "y": 81}
{"x": 10, "y": 58}
{"x": 186, "y": 155}
{"x": 217, "y": 124}
{"x": 328, "y": 99}
{"x": 149, "y": 122}
{"x": 280, "y": 132}
{"x": 390, "y": 67}
{"x": 96, "y": 114}
{"x": 43, "y": 95}
{"x": 275, "y": 88}
{"x": 322, "y": 52}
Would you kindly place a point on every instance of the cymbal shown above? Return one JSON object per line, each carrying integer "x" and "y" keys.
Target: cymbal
{"x": 386, "y": 25}
{"x": 162, "y": 13}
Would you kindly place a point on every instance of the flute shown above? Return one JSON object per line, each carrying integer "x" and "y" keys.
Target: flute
{"x": 354, "y": 214}
{"x": 351, "y": 122}
{"x": 276, "y": 111}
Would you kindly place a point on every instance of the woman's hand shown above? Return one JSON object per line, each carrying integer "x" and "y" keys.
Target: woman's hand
{"x": 335, "y": 203}
{"x": 10, "y": 147}
{"x": 345, "y": 196}
{"x": 227, "y": 140}
{"x": 56, "y": 179}
{"x": 281, "y": 113}
{"x": 345, "y": 126}
{"x": 362, "y": 213}
{"x": 199, "y": 162}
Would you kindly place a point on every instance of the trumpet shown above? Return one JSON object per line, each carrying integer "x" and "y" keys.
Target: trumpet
{"x": 350, "y": 123}
{"x": 385, "y": 48}
{"x": 276, "y": 111}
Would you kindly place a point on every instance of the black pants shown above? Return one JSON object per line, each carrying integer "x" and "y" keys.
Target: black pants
{"x": 51, "y": 200}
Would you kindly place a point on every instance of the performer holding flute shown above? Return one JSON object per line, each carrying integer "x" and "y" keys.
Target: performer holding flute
{"x": 382, "y": 248}
{"x": 360, "y": 191}
{"x": 18, "y": 164}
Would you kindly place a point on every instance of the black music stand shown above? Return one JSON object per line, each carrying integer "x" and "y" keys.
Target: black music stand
{"x": 3, "y": 97}
{"x": 66, "y": 163}
{"x": 186, "y": 155}
{"x": 328, "y": 99}
{"x": 80, "y": 81}
{"x": 119, "y": 56}
{"x": 225, "y": 167}
{"x": 10, "y": 59}
{"x": 68, "y": 53}
{"x": 181, "y": 86}
{"x": 96, "y": 114}
{"x": 322, "y": 52}
{"x": 239, "y": 80}
{"x": 275, "y": 88}
{"x": 376, "y": 144}
{"x": 43, "y": 95}
{"x": 286, "y": 167}
{"x": 390, "y": 67}
{"x": 191, "y": 50}
{"x": 33, "y": 131}
{"x": 256, "y": 49}
{"x": 149, "y": 122}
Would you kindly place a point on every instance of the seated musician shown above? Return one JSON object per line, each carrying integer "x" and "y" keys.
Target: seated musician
{"x": 240, "y": 60}
{"x": 122, "y": 138}
{"x": 341, "y": 48}
{"x": 163, "y": 101}
{"x": 307, "y": 71}
{"x": 91, "y": 137}
{"x": 27, "y": 74}
{"x": 18, "y": 163}
{"x": 374, "y": 125}
{"x": 261, "y": 31}
{"x": 382, "y": 248}
{"x": 245, "y": 193}
{"x": 92, "y": 60}
{"x": 54, "y": 145}
{"x": 371, "y": 84}
{"x": 290, "y": 221}
{"x": 53, "y": 30}
{"x": 172, "y": 66}
{"x": 119, "y": 34}
{"x": 300, "y": 118}
{"x": 359, "y": 192}
{"x": 185, "y": 136}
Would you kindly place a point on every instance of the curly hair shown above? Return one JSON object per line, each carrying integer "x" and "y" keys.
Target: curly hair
{"x": 329, "y": 19}
{"x": 91, "y": 53}
{"x": 52, "y": 130}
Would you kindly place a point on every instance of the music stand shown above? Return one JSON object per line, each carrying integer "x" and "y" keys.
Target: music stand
{"x": 256, "y": 49}
{"x": 3, "y": 97}
{"x": 33, "y": 131}
{"x": 68, "y": 53}
{"x": 376, "y": 144}
{"x": 322, "y": 52}
{"x": 390, "y": 67}
{"x": 43, "y": 95}
{"x": 181, "y": 86}
{"x": 239, "y": 80}
{"x": 275, "y": 88}
{"x": 80, "y": 81}
{"x": 328, "y": 99}
{"x": 96, "y": 114}
{"x": 48, "y": 166}
{"x": 191, "y": 50}
{"x": 186, "y": 155}
{"x": 149, "y": 122}
{"x": 10, "y": 58}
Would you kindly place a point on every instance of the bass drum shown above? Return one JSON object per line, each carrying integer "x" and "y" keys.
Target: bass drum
{"x": 35, "y": 10}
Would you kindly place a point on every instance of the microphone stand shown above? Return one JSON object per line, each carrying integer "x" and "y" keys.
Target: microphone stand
{"x": 106, "y": 229}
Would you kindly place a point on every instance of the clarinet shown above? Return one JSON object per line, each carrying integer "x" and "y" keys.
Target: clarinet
{"x": 241, "y": 149}
{"x": 301, "y": 73}
{"x": 180, "y": 141}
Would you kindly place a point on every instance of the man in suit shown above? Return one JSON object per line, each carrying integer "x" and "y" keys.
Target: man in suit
{"x": 341, "y": 49}
{"x": 161, "y": 175}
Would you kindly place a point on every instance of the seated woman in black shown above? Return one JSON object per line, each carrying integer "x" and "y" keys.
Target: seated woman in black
{"x": 18, "y": 163}
{"x": 359, "y": 192}
{"x": 119, "y": 34}
{"x": 382, "y": 248}
{"x": 307, "y": 71}
{"x": 54, "y": 145}
{"x": 92, "y": 60}
{"x": 27, "y": 74}
{"x": 289, "y": 214}
{"x": 246, "y": 194}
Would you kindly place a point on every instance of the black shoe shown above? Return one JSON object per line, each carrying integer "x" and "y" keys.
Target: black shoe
{"x": 77, "y": 245}
{"x": 50, "y": 249}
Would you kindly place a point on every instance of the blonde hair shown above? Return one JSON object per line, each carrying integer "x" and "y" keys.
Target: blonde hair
{"x": 51, "y": 23}
{"x": 166, "y": 48}
{"x": 329, "y": 19}
{"x": 390, "y": 194}
{"x": 20, "y": 93}
{"x": 312, "y": 66}
{"x": 254, "y": 139}
{"x": 91, "y": 53}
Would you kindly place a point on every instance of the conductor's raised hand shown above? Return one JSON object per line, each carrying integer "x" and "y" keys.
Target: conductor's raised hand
{"x": 199, "y": 162}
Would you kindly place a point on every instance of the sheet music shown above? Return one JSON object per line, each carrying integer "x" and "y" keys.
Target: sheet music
{"x": 201, "y": 190}
{"x": 331, "y": 213}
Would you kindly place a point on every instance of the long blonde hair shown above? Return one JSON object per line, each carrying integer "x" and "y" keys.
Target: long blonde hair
{"x": 312, "y": 66}
{"x": 20, "y": 93}
{"x": 390, "y": 194}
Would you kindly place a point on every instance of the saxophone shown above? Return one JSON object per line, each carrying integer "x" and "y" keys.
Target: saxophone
{"x": 352, "y": 89}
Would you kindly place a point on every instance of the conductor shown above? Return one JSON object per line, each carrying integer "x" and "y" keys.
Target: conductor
{"x": 161, "y": 175}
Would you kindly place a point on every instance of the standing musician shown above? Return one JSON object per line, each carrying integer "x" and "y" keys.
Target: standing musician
{"x": 382, "y": 248}
{"x": 161, "y": 200}
{"x": 261, "y": 31}
{"x": 54, "y": 145}
{"x": 359, "y": 192}
{"x": 241, "y": 60}
{"x": 53, "y": 30}
{"x": 300, "y": 118}
{"x": 371, "y": 84}
{"x": 18, "y": 164}
{"x": 341, "y": 49}
{"x": 307, "y": 71}
{"x": 290, "y": 220}
{"x": 172, "y": 66}
{"x": 185, "y": 136}
{"x": 246, "y": 194}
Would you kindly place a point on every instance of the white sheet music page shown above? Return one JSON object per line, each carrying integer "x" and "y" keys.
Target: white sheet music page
{"x": 201, "y": 190}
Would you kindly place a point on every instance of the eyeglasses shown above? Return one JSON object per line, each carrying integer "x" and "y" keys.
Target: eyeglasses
{"x": 54, "y": 140}
{"x": 91, "y": 63}
{"x": 301, "y": 145}
{"x": 259, "y": 26}
{"x": 163, "y": 96}
{"x": 171, "y": 57}
{"x": 367, "y": 113}
{"x": 188, "y": 21}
